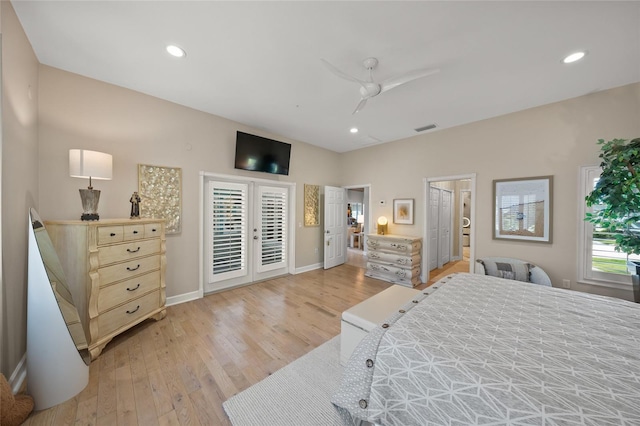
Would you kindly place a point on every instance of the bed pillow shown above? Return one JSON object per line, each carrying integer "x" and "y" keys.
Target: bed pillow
{"x": 515, "y": 270}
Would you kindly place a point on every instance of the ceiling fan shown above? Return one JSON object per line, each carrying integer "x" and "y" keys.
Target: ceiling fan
{"x": 369, "y": 88}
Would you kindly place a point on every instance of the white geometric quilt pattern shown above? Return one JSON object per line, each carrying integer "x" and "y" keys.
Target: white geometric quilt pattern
{"x": 487, "y": 351}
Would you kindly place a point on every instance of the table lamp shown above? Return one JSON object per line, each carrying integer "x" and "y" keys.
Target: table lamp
{"x": 92, "y": 165}
{"x": 382, "y": 225}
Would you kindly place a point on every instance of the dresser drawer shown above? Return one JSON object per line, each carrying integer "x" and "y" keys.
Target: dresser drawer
{"x": 126, "y": 270}
{"x": 393, "y": 246}
{"x": 152, "y": 230}
{"x": 133, "y": 232}
{"x": 110, "y": 234}
{"x": 127, "y": 251}
{"x": 128, "y": 313}
{"x": 119, "y": 293}
{"x": 403, "y": 260}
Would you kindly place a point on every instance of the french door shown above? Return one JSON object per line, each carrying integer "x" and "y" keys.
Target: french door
{"x": 247, "y": 232}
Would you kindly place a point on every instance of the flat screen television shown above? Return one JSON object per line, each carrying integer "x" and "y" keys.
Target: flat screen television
{"x": 260, "y": 154}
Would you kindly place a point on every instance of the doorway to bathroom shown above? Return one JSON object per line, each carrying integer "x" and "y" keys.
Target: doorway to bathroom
{"x": 449, "y": 231}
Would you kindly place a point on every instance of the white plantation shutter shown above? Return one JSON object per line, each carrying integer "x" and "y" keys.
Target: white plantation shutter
{"x": 227, "y": 230}
{"x": 273, "y": 222}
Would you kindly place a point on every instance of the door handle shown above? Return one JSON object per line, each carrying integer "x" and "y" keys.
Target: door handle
{"x": 327, "y": 231}
{"x": 255, "y": 237}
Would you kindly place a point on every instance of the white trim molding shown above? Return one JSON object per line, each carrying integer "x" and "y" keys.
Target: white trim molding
{"x": 586, "y": 274}
{"x": 182, "y": 298}
{"x": 425, "y": 220}
{"x": 307, "y": 268}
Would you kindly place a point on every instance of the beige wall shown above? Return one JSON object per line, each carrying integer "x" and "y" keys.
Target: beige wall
{"x": 78, "y": 112}
{"x": 19, "y": 180}
{"x": 550, "y": 140}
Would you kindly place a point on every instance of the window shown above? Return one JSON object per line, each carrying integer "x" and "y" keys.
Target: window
{"x": 599, "y": 263}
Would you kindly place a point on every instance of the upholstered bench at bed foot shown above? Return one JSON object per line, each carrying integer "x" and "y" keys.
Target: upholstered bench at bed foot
{"x": 363, "y": 317}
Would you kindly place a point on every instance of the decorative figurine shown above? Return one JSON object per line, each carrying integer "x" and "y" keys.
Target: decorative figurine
{"x": 135, "y": 205}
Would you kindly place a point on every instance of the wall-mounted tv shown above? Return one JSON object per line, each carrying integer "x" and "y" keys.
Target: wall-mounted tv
{"x": 260, "y": 154}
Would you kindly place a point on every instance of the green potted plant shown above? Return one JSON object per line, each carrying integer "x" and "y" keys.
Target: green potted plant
{"x": 617, "y": 193}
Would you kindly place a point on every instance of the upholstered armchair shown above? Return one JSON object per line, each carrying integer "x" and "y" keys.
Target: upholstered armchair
{"x": 516, "y": 269}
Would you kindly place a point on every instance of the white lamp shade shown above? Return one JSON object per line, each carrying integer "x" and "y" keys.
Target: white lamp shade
{"x": 382, "y": 225}
{"x": 90, "y": 164}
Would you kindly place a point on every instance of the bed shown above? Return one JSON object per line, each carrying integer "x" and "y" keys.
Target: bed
{"x": 475, "y": 349}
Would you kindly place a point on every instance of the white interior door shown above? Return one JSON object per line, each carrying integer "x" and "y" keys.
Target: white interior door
{"x": 434, "y": 216}
{"x": 446, "y": 218}
{"x": 247, "y": 230}
{"x": 335, "y": 226}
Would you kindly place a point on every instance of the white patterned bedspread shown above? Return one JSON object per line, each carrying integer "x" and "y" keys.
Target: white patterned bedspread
{"x": 489, "y": 351}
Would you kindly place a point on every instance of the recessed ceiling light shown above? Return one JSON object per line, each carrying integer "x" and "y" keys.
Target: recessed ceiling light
{"x": 354, "y": 130}
{"x": 574, "y": 57}
{"x": 176, "y": 51}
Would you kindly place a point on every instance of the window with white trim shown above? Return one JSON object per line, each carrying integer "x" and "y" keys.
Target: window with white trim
{"x": 598, "y": 262}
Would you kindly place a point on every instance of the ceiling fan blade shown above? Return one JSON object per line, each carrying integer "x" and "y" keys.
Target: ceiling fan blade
{"x": 361, "y": 105}
{"x": 407, "y": 77}
{"x": 341, "y": 74}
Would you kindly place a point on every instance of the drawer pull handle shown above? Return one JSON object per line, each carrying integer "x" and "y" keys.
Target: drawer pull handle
{"x": 133, "y": 289}
{"x": 133, "y": 269}
{"x": 134, "y": 311}
{"x": 153, "y": 230}
{"x": 133, "y": 251}
{"x": 112, "y": 234}
{"x": 135, "y": 232}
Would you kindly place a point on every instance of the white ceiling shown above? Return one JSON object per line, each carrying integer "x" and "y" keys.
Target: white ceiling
{"x": 259, "y": 63}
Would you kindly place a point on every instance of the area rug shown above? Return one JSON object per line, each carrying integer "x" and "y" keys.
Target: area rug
{"x": 297, "y": 394}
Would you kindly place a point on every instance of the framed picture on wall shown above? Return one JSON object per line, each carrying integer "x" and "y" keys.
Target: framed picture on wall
{"x": 311, "y": 205}
{"x": 522, "y": 209}
{"x": 160, "y": 190}
{"x": 403, "y": 211}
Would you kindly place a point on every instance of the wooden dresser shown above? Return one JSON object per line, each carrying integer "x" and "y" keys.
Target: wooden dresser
{"x": 394, "y": 258}
{"x": 116, "y": 273}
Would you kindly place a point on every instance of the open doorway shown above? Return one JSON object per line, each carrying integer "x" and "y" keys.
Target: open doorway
{"x": 358, "y": 218}
{"x": 449, "y": 231}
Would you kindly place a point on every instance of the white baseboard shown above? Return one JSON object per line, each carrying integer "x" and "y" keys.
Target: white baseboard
{"x": 182, "y": 298}
{"x": 195, "y": 295}
{"x": 308, "y": 268}
{"x": 19, "y": 375}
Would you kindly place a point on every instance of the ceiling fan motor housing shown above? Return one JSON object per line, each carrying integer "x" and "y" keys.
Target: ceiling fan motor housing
{"x": 369, "y": 90}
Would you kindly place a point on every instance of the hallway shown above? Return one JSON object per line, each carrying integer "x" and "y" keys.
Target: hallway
{"x": 356, "y": 257}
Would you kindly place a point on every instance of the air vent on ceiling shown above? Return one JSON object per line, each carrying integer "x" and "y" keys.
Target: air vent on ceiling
{"x": 427, "y": 127}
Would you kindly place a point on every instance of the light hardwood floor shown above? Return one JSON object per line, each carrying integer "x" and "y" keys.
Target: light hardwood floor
{"x": 181, "y": 369}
